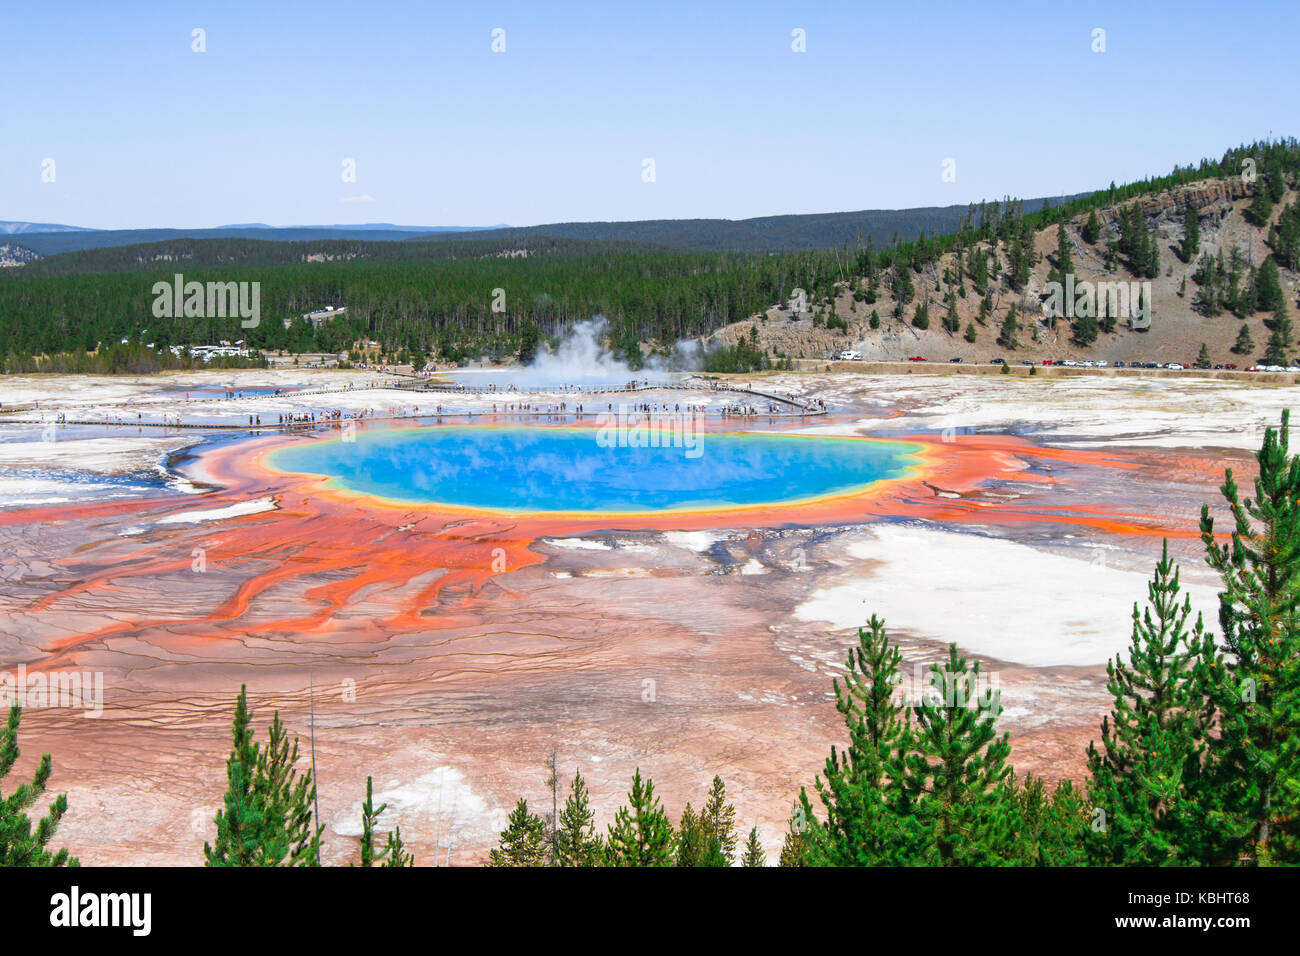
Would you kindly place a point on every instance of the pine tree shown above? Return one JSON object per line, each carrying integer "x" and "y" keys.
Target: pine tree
{"x": 1147, "y": 777}
{"x": 864, "y": 820}
{"x": 266, "y": 818}
{"x": 19, "y": 845}
{"x": 1092, "y": 228}
{"x": 1245, "y": 344}
{"x": 1191, "y": 233}
{"x": 523, "y": 842}
{"x": 1049, "y": 828}
{"x": 1275, "y": 181}
{"x": 718, "y": 824}
{"x": 369, "y": 817}
{"x": 529, "y": 339}
{"x": 1256, "y": 761}
{"x": 552, "y": 819}
{"x": 640, "y": 834}
{"x": 576, "y": 841}
{"x": 1138, "y": 243}
{"x": 1086, "y": 330}
{"x": 956, "y": 772}
{"x": 690, "y": 839}
{"x": 1203, "y": 357}
{"x": 1010, "y": 328}
{"x": 1261, "y": 205}
{"x": 901, "y": 284}
{"x": 951, "y": 320}
{"x": 979, "y": 270}
{"x": 794, "y": 849}
{"x": 1021, "y": 256}
{"x": 1279, "y": 342}
{"x": 1284, "y": 237}
{"x": 1064, "y": 263}
{"x": 1266, "y": 289}
{"x": 921, "y": 319}
{"x": 697, "y": 841}
{"x": 629, "y": 346}
{"x": 393, "y": 852}
{"x": 239, "y": 824}
{"x": 286, "y": 800}
{"x": 1153, "y": 255}
{"x": 754, "y": 855}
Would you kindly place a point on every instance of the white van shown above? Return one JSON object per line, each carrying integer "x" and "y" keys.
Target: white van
{"x": 850, "y": 356}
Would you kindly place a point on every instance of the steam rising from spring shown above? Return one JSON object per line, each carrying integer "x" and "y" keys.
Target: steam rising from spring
{"x": 581, "y": 357}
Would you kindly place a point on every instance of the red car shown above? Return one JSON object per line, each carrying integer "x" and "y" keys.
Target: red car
{"x": 1230, "y": 365}
{"x": 916, "y": 358}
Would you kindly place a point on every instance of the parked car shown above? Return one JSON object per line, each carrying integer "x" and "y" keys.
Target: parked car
{"x": 1100, "y": 363}
{"x": 1174, "y": 366}
{"x": 1026, "y": 362}
{"x": 957, "y": 359}
{"x": 1150, "y": 365}
{"x": 1119, "y": 364}
{"x": 1047, "y": 361}
{"x": 998, "y": 361}
{"x": 1230, "y": 365}
{"x": 916, "y": 358}
{"x": 848, "y": 355}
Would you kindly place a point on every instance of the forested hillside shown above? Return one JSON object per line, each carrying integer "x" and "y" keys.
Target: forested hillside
{"x": 418, "y": 304}
{"x": 1208, "y": 253}
{"x": 495, "y": 297}
{"x": 187, "y": 253}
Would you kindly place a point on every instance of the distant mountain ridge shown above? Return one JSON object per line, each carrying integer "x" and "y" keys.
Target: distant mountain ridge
{"x": 368, "y": 227}
{"x": 764, "y": 233}
{"x": 59, "y": 239}
{"x": 761, "y": 234}
{"x": 9, "y": 228}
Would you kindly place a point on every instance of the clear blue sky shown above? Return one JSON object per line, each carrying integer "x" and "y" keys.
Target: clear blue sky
{"x": 144, "y": 132}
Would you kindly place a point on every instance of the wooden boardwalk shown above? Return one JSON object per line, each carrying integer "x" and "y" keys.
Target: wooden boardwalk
{"x": 800, "y": 409}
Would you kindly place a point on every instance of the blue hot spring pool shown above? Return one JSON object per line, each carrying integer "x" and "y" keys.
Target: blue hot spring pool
{"x": 539, "y": 470}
